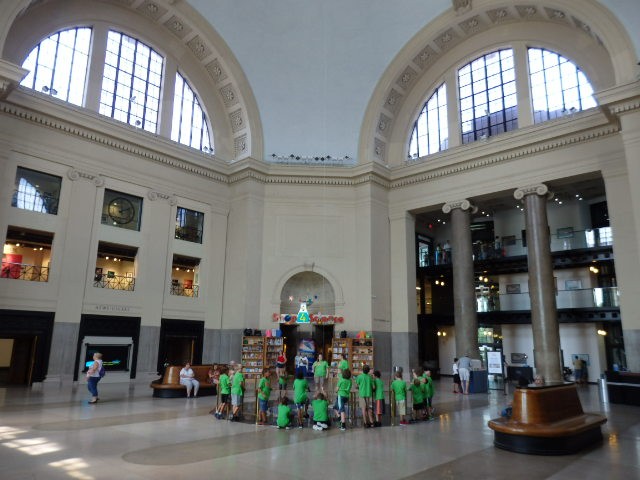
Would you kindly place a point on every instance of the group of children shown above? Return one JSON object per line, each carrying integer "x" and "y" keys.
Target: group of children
{"x": 231, "y": 386}
{"x": 422, "y": 391}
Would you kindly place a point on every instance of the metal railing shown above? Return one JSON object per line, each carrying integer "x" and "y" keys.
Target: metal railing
{"x": 21, "y": 271}
{"x": 180, "y": 290}
{"x": 114, "y": 282}
{"x": 579, "y": 298}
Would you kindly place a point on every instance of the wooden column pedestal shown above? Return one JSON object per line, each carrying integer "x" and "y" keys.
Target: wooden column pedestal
{"x": 547, "y": 420}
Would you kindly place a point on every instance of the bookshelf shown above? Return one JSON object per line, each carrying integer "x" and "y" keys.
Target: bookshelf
{"x": 361, "y": 354}
{"x": 274, "y": 345}
{"x": 252, "y": 359}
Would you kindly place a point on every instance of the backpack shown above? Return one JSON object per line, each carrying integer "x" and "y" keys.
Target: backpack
{"x": 102, "y": 372}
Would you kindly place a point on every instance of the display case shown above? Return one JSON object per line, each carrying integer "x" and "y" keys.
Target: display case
{"x": 274, "y": 345}
{"x": 340, "y": 348}
{"x": 253, "y": 353}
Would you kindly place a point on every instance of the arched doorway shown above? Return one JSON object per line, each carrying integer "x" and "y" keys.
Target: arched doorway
{"x": 319, "y": 295}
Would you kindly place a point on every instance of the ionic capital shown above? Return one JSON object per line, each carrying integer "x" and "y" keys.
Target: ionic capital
{"x": 461, "y": 204}
{"x": 538, "y": 189}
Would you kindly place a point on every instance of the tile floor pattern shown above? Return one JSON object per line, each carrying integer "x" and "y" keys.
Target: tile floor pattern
{"x": 52, "y": 433}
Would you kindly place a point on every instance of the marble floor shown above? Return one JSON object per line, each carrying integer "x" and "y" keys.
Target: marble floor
{"x": 50, "y": 432}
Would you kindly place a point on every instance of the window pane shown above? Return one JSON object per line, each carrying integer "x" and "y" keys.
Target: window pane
{"x": 493, "y": 77}
{"x": 431, "y": 125}
{"x": 558, "y": 87}
{"x": 58, "y": 65}
{"x": 127, "y": 67}
{"x": 189, "y": 225}
{"x": 189, "y": 120}
{"x": 36, "y": 191}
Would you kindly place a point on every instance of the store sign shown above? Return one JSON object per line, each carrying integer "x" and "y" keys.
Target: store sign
{"x": 494, "y": 359}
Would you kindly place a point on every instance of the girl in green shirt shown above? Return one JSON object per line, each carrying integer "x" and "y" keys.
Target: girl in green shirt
{"x": 378, "y": 398}
{"x": 224, "y": 390}
{"x": 284, "y": 414}
{"x": 264, "y": 391}
{"x": 300, "y": 389}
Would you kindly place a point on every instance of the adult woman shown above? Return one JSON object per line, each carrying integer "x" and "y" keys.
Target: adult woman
{"x": 187, "y": 378}
{"x": 93, "y": 377}
{"x": 281, "y": 364}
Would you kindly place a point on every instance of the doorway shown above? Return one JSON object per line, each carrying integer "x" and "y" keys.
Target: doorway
{"x": 323, "y": 337}
{"x": 179, "y": 349}
{"x": 290, "y": 335}
{"x": 180, "y": 341}
{"x": 17, "y": 359}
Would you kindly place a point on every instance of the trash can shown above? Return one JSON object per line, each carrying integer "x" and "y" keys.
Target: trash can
{"x": 603, "y": 392}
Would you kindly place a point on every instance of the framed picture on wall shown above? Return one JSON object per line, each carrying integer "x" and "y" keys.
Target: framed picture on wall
{"x": 111, "y": 274}
{"x": 513, "y": 288}
{"x": 509, "y": 240}
{"x": 129, "y": 274}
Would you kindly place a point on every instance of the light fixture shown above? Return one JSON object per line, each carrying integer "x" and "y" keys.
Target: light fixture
{"x": 177, "y": 268}
{"x": 107, "y": 258}
{"x": 17, "y": 244}
{"x": 441, "y": 283}
{"x": 417, "y": 288}
{"x": 602, "y": 332}
{"x": 437, "y": 282}
{"x": 442, "y": 333}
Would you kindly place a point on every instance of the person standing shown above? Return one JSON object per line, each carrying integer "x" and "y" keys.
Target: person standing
{"x": 399, "y": 388}
{"x": 378, "y": 386}
{"x": 446, "y": 257}
{"x": 224, "y": 391}
{"x": 93, "y": 377}
{"x": 464, "y": 370}
{"x": 300, "y": 398}
{"x": 456, "y": 377}
{"x": 320, "y": 371}
{"x": 237, "y": 394}
{"x": 343, "y": 390}
{"x": 365, "y": 392}
{"x": 281, "y": 365}
{"x": 264, "y": 391}
{"x": 577, "y": 369}
{"x": 298, "y": 363}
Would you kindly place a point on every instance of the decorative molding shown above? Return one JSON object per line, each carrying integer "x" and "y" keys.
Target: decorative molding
{"x": 152, "y": 9}
{"x": 407, "y": 78}
{"x": 237, "y": 120}
{"x": 394, "y": 99}
{"x": 426, "y": 57}
{"x": 384, "y": 124}
{"x": 74, "y": 174}
{"x": 178, "y": 27}
{"x": 380, "y": 149}
{"x": 461, "y": 6}
{"x": 461, "y": 204}
{"x": 500, "y": 15}
{"x": 537, "y": 189}
{"x": 199, "y": 47}
{"x": 229, "y": 96}
{"x": 215, "y": 71}
{"x": 10, "y": 76}
{"x": 240, "y": 146}
{"x": 154, "y": 195}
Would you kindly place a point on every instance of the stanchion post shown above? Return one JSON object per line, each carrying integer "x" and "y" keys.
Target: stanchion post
{"x": 257, "y": 409}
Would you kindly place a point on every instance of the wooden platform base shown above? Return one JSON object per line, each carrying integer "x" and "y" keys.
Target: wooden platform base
{"x": 547, "y": 420}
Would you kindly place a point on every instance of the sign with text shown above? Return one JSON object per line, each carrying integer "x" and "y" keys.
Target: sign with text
{"x": 494, "y": 359}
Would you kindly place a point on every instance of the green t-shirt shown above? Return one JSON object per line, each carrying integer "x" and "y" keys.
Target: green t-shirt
{"x": 223, "y": 382}
{"x": 300, "y": 387}
{"x": 264, "y": 389}
{"x": 379, "y": 389}
{"x": 282, "y": 380}
{"x": 429, "y": 388}
{"x": 238, "y": 380}
{"x": 399, "y": 389}
{"x": 343, "y": 365}
{"x": 418, "y": 394}
{"x": 320, "y": 410}
{"x": 320, "y": 368}
{"x": 344, "y": 387}
{"x": 365, "y": 385}
{"x": 284, "y": 415}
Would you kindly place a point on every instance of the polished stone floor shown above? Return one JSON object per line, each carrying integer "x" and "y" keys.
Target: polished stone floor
{"x": 52, "y": 433}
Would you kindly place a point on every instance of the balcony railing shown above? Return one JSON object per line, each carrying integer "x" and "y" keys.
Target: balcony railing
{"x": 581, "y": 298}
{"x": 564, "y": 239}
{"x": 114, "y": 282}
{"x": 21, "y": 271}
{"x": 181, "y": 290}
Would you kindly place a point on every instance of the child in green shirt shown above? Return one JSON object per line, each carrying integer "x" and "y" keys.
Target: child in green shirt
{"x": 320, "y": 412}
{"x": 224, "y": 390}
{"x": 365, "y": 392}
{"x": 430, "y": 391}
{"x": 343, "y": 388}
{"x": 282, "y": 385}
{"x": 418, "y": 399}
{"x": 264, "y": 391}
{"x": 300, "y": 389}
{"x": 284, "y": 414}
{"x": 237, "y": 393}
{"x": 399, "y": 389}
{"x": 378, "y": 398}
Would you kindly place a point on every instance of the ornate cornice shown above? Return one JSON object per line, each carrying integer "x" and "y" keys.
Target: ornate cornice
{"x": 622, "y": 98}
{"x": 154, "y": 195}
{"x": 74, "y": 174}
{"x": 538, "y": 189}
{"x": 10, "y": 76}
{"x": 461, "y": 204}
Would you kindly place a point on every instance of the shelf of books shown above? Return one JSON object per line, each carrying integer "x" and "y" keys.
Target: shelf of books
{"x": 361, "y": 354}
{"x": 274, "y": 346}
{"x": 252, "y": 360}
{"x": 340, "y": 348}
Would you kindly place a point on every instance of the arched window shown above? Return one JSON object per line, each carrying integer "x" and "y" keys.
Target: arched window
{"x": 58, "y": 65}
{"x": 431, "y": 131}
{"x": 189, "y": 120}
{"x": 131, "y": 82}
{"x": 488, "y": 101}
{"x": 558, "y": 87}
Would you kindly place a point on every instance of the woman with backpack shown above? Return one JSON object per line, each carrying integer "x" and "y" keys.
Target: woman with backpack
{"x": 94, "y": 374}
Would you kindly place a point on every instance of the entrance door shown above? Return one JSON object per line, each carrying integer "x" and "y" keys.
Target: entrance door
{"x": 179, "y": 349}
{"x": 18, "y": 360}
{"x": 323, "y": 336}
{"x": 290, "y": 334}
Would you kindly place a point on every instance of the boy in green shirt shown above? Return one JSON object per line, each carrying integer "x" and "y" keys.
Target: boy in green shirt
{"x": 320, "y": 412}
{"x": 264, "y": 391}
{"x": 429, "y": 391}
{"x": 418, "y": 399}
{"x": 237, "y": 393}
{"x": 343, "y": 364}
{"x": 365, "y": 392}
{"x": 300, "y": 389}
{"x": 224, "y": 389}
{"x": 378, "y": 398}
{"x": 282, "y": 385}
{"x": 399, "y": 389}
{"x": 320, "y": 371}
{"x": 284, "y": 414}
{"x": 343, "y": 388}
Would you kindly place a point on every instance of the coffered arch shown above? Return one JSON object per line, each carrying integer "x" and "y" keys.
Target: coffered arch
{"x": 586, "y": 33}
{"x": 174, "y": 27}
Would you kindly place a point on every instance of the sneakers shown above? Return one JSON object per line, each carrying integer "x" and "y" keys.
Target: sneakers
{"x": 300, "y": 427}
{"x": 324, "y": 426}
{"x": 377, "y": 424}
{"x": 404, "y": 422}
{"x": 343, "y": 427}
{"x": 317, "y": 428}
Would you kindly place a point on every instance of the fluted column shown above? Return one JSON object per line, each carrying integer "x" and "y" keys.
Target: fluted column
{"x": 544, "y": 319}
{"x": 464, "y": 295}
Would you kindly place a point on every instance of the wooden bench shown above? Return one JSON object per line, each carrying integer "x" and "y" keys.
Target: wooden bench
{"x": 547, "y": 420}
{"x": 169, "y": 386}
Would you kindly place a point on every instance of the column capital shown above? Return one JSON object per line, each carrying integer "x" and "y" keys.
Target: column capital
{"x": 461, "y": 204}
{"x": 10, "y": 76}
{"x": 74, "y": 174}
{"x": 538, "y": 189}
{"x": 154, "y": 195}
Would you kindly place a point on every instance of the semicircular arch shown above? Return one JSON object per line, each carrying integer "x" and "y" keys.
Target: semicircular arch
{"x": 338, "y": 293}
